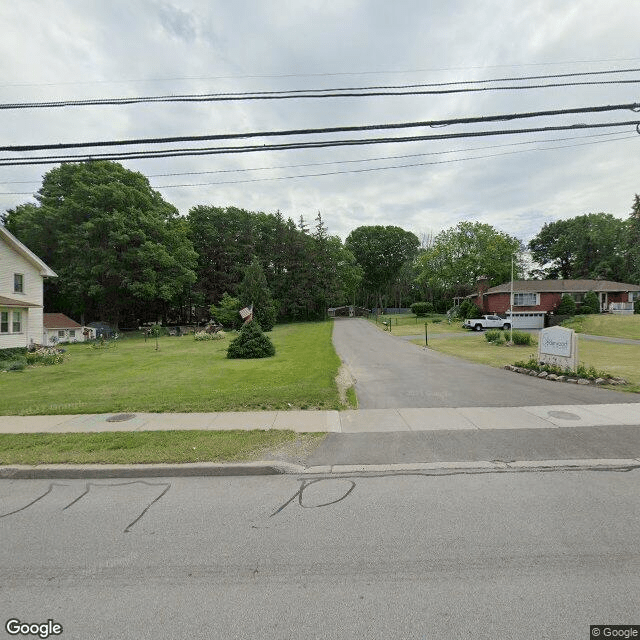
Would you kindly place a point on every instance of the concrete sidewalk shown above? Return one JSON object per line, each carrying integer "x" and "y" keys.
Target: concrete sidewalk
{"x": 435, "y": 440}
{"x": 354, "y": 421}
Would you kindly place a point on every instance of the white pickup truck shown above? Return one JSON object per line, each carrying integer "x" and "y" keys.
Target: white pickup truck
{"x": 486, "y": 322}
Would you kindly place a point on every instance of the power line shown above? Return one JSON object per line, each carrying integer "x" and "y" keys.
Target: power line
{"x": 360, "y": 160}
{"x": 367, "y": 170}
{"x": 341, "y": 92}
{"x": 302, "y": 145}
{"x": 324, "y": 130}
{"x": 320, "y": 75}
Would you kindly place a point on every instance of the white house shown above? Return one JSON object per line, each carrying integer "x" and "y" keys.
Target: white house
{"x": 59, "y": 328}
{"x": 21, "y": 279}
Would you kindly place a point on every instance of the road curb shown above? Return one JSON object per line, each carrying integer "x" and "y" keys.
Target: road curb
{"x": 62, "y": 471}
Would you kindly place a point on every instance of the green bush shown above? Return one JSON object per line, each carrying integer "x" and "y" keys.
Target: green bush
{"x": 567, "y": 306}
{"x": 522, "y": 338}
{"x": 14, "y": 365}
{"x": 45, "y": 356}
{"x": 493, "y": 335}
{"x": 590, "y": 303}
{"x": 227, "y": 311}
{"x": 251, "y": 343}
{"x": 636, "y": 306}
{"x": 421, "y": 309}
{"x": 468, "y": 310}
{"x": 13, "y": 352}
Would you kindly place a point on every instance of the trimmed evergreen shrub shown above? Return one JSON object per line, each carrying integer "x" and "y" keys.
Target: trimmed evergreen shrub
{"x": 636, "y": 307}
{"x": 590, "y": 303}
{"x": 421, "y": 309}
{"x": 468, "y": 310}
{"x": 567, "y": 306}
{"x": 522, "y": 338}
{"x": 251, "y": 343}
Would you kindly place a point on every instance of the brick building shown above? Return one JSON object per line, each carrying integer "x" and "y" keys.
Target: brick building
{"x": 545, "y": 295}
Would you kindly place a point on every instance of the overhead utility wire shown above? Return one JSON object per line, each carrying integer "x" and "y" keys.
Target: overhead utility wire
{"x": 296, "y": 94}
{"x": 319, "y": 75}
{"x": 301, "y": 145}
{"x": 291, "y": 132}
{"x": 330, "y": 173}
{"x": 374, "y": 159}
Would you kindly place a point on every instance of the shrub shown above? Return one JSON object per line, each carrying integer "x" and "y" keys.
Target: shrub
{"x": 522, "y": 338}
{"x": 421, "y": 309}
{"x": 567, "y": 306}
{"x": 493, "y": 335}
{"x": 227, "y": 311}
{"x": 13, "y": 352}
{"x": 590, "y": 303}
{"x": 14, "y": 365}
{"x": 251, "y": 343}
{"x": 636, "y": 306}
{"x": 45, "y": 356}
{"x": 468, "y": 310}
{"x": 203, "y": 335}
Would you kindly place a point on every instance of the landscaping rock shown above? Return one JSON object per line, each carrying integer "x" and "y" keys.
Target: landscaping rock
{"x": 552, "y": 376}
{"x": 533, "y": 373}
{"x": 584, "y": 381}
{"x": 543, "y": 374}
{"x": 561, "y": 378}
{"x": 600, "y": 381}
{"x": 572, "y": 380}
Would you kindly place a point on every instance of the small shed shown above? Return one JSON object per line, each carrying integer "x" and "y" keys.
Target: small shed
{"x": 101, "y": 329}
{"x": 57, "y": 328}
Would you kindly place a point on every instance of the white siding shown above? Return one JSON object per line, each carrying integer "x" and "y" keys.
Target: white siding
{"x": 12, "y": 262}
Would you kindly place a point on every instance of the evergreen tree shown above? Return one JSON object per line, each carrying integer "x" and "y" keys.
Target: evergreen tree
{"x": 253, "y": 290}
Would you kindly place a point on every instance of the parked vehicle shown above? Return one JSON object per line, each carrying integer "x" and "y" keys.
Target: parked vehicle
{"x": 486, "y": 322}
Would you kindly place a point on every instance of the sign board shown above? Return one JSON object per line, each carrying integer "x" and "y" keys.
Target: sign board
{"x": 558, "y": 346}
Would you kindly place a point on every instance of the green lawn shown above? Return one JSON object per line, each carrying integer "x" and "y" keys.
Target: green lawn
{"x": 147, "y": 447}
{"x": 606, "y": 324}
{"x": 620, "y": 360}
{"x": 182, "y": 376}
{"x": 409, "y": 324}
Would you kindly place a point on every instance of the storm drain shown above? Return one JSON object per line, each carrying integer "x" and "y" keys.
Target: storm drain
{"x": 121, "y": 417}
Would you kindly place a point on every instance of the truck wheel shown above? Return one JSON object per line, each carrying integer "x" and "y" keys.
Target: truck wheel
{"x": 478, "y": 327}
{"x": 506, "y": 326}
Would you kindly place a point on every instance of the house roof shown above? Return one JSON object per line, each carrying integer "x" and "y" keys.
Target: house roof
{"x": 21, "y": 304}
{"x": 59, "y": 321}
{"x": 26, "y": 253}
{"x": 563, "y": 286}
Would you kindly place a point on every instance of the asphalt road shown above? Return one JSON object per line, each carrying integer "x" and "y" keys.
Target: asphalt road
{"x": 487, "y": 556}
{"x": 391, "y": 373}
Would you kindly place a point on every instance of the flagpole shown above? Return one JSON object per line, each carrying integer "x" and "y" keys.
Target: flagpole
{"x": 511, "y": 303}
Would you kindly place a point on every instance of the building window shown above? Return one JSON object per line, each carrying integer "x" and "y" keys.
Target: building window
{"x": 17, "y": 322}
{"x": 525, "y": 299}
{"x": 18, "y": 283}
{"x": 60, "y": 334}
{"x": 4, "y": 322}
{"x": 72, "y": 333}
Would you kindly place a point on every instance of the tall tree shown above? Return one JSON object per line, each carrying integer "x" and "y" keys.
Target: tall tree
{"x": 115, "y": 243}
{"x": 381, "y": 252}
{"x": 632, "y": 253}
{"x": 587, "y": 246}
{"x": 459, "y": 256}
{"x": 253, "y": 290}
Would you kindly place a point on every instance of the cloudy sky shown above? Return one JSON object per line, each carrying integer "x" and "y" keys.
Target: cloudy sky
{"x": 92, "y": 49}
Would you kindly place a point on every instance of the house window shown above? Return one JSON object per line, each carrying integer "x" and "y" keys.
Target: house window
{"x": 72, "y": 333}
{"x": 60, "y": 334}
{"x": 525, "y": 299}
{"x": 17, "y": 322}
{"x": 18, "y": 283}
{"x": 4, "y": 322}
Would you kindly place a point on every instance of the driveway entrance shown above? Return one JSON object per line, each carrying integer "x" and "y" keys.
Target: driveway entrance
{"x": 391, "y": 373}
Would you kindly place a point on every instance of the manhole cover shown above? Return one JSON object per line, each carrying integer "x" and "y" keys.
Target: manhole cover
{"x": 121, "y": 417}
{"x": 563, "y": 415}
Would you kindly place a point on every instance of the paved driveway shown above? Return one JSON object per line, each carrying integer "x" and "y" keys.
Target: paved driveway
{"x": 392, "y": 373}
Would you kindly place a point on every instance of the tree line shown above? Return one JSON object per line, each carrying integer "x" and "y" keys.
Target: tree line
{"x": 125, "y": 255}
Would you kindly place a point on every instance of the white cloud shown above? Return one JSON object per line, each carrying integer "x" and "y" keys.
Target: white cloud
{"x": 89, "y": 48}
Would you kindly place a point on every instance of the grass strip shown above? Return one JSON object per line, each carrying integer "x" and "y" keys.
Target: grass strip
{"x": 146, "y": 447}
{"x": 619, "y": 360}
